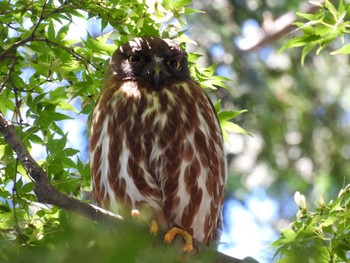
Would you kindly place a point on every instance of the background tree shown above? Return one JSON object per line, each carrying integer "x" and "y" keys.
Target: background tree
{"x": 298, "y": 115}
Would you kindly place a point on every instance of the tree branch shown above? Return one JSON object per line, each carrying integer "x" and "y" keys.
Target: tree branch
{"x": 274, "y": 29}
{"x": 9, "y": 72}
{"x": 43, "y": 189}
{"x": 47, "y": 194}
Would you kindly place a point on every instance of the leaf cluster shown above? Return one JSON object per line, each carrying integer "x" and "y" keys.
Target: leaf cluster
{"x": 322, "y": 235}
{"x": 80, "y": 240}
{"x": 322, "y": 28}
{"x": 207, "y": 79}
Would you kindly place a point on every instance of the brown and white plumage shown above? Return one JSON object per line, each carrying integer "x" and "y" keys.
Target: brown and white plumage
{"x": 155, "y": 143}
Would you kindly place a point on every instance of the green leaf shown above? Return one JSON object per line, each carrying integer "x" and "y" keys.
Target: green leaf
{"x": 341, "y": 7}
{"x": 49, "y": 116}
{"x": 289, "y": 235}
{"x": 191, "y": 11}
{"x": 193, "y": 56}
{"x": 217, "y": 106}
{"x": 310, "y": 17}
{"x": 307, "y": 29}
{"x": 61, "y": 34}
{"x": 56, "y": 145}
{"x": 28, "y": 187}
{"x": 64, "y": 105}
{"x": 328, "y": 5}
{"x": 328, "y": 222}
{"x": 181, "y": 3}
{"x": 6, "y": 101}
{"x": 228, "y": 115}
{"x": 2, "y": 150}
{"x": 70, "y": 151}
{"x": 51, "y": 30}
{"x": 58, "y": 94}
{"x": 344, "y": 50}
{"x": 306, "y": 50}
{"x": 299, "y": 42}
{"x": 232, "y": 127}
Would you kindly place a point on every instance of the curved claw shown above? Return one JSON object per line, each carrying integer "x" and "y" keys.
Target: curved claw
{"x": 154, "y": 228}
{"x": 170, "y": 235}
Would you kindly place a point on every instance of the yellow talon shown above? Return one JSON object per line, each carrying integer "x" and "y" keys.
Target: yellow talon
{"x": 170, "y": 235}
{"x": 154, "y": 228}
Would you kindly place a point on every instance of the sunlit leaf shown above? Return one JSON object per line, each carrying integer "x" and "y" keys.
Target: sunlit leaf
{"x": 306, "y": 50}
{"x": 181, "y": 3}
{"x": 228, "y": 115}
{"x": 344, "y": 50}
{"x": 299, "y": 42}
{"x": 232, "y": 127}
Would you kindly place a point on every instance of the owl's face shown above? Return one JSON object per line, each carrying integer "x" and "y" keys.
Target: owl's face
{"x": 150, "y": 59}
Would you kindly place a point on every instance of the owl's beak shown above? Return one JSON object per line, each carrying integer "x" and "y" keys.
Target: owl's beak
{"x": 157, "y": 70}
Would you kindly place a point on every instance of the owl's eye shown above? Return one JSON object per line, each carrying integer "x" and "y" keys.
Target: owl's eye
{"x": 176, "y": 64}
{"x": 135, "y": 58}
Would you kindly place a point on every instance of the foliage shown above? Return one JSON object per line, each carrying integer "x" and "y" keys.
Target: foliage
{"x": 75, "y": 239}
{"x": 49, "y": 77}
{"x": 322, "y": 235}
{"x": 228, "y": 126}
{"x": 299, "y": 116}
{"x": 329, "y": 23}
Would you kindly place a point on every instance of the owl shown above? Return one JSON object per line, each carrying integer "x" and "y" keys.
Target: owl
{"x": 156, "y": 145}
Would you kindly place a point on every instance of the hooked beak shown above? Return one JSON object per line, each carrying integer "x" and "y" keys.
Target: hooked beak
{"x": 156, "y": 73}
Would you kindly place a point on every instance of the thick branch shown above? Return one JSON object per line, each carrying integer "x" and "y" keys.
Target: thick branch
{"x": 47, "y": 194}
{"x": 274, "y": 29}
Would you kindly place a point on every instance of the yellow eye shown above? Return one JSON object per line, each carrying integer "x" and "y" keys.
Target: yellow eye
{"x": 135, "y": 58}
{"x": 176, "y": 64}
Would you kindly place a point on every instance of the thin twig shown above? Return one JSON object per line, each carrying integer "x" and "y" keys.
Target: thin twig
{"x": 14, "y": 187}
{"x": 17, "y": 110}
{"x": 9, "y": 73}
{"x": 58, "y": 9}
{"x": 14, "y": 203}
{"x": 77, "y": 56}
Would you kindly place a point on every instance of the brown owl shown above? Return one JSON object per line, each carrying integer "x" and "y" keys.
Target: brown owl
{"x": 156, "y": 144}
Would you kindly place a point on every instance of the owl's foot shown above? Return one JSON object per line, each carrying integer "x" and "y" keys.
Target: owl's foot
{"x": 153, "y": 228}
{"x": 170, "y": 235}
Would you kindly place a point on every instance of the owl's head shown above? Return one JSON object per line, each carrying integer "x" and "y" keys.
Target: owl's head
{"x": 150, "y": 59}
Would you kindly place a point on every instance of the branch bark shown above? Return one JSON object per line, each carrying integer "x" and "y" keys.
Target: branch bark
{"x": 47, "y": 194}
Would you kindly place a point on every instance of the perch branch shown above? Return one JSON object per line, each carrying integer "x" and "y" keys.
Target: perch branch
{"x": 47, "y": 194}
